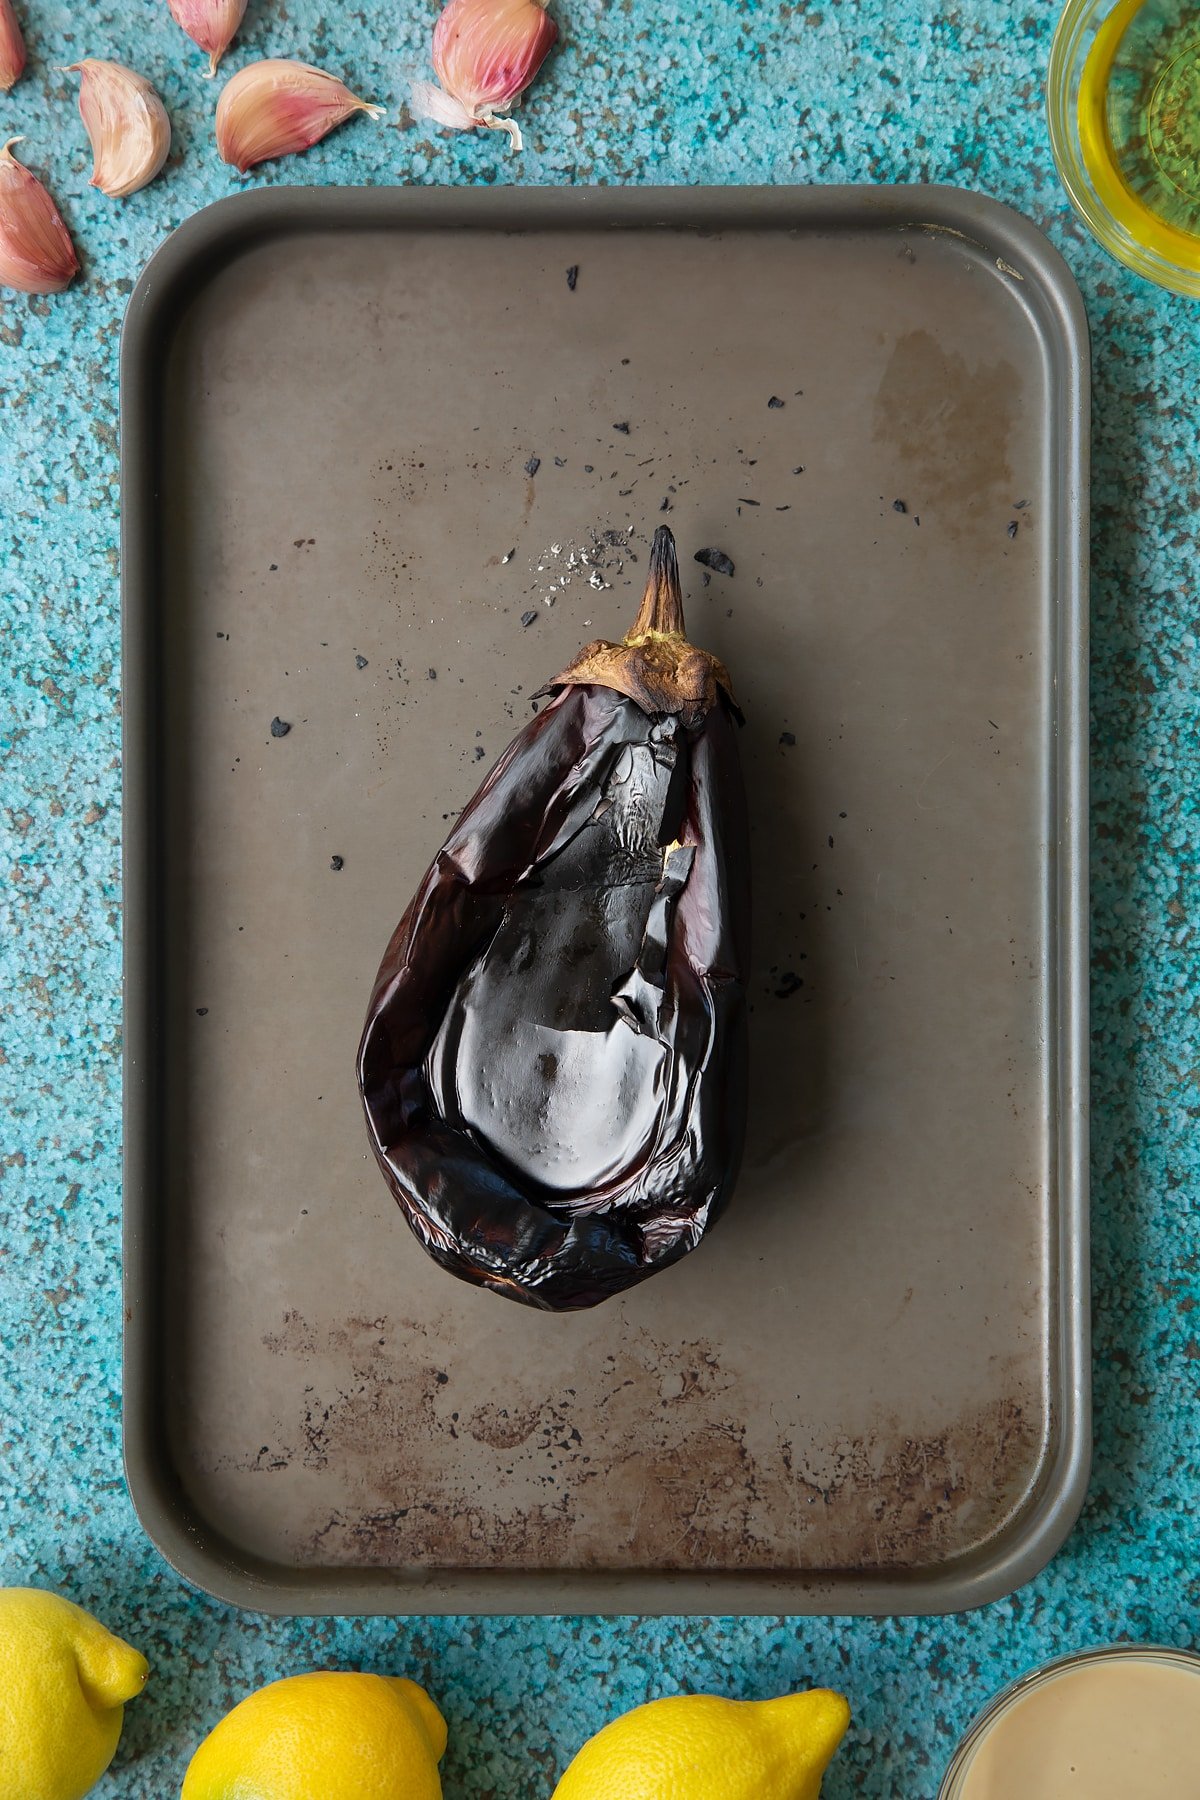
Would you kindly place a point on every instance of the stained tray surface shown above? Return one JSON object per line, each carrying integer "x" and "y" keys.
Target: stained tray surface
{"x": 868, "y": 1388}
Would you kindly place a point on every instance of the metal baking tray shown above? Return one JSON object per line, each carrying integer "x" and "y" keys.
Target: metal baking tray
{"x": 364, "y": 435}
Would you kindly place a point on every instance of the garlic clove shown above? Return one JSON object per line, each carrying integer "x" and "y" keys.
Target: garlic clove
{"x": 276, "y": 107}
{"x": 12, "y": 47}
{"x": 212, "y": 24}
{"x": 486, "y": 53}
{"x": 36, "y": 252}
{"x": 126, "y": 123}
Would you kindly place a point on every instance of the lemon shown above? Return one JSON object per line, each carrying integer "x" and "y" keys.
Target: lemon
{"x": 324, "y": 1737}
{"x": 696, "y": 1747}
{"x": 64, "y": 1680}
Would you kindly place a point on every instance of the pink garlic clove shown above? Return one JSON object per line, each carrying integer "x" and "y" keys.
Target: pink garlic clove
{"x": 12, "y": 47}
{"x": 276, "y": 107}
{"x": 486, "y": 53}
{"x": 36, "y": 252}
{"x": 212, "y": 24}
{"x": 126, "y": 123}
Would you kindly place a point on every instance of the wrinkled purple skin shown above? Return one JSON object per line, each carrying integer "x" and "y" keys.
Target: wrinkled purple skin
{"x": 562, "y": 997}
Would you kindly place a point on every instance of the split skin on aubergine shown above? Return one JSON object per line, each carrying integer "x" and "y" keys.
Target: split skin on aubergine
{"x": 553, "y": 1066}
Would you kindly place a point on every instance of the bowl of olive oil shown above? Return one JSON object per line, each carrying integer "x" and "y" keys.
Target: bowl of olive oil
{"x": 1123, "y": 98}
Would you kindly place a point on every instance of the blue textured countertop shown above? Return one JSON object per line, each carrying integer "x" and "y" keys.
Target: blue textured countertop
{"x": 728, "y": 91}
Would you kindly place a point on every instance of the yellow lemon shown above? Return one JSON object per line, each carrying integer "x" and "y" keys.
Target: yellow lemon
{"x": 64, "y": 1681}
{"x": 696, "y": 1747}
{"x": 324, "y": 1737}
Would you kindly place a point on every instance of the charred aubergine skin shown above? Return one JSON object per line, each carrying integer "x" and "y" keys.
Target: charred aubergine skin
{"x": 554, "y": 1061}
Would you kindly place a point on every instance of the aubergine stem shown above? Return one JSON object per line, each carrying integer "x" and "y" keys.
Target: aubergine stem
{"x": 655, "y": 666}
{"x": 661, "y": 610}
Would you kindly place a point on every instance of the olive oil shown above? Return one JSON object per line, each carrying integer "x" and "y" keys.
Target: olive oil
{"x": 1139, "y": 123}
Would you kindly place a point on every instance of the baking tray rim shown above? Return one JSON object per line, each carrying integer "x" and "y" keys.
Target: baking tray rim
{"x": 190, "y": 1544}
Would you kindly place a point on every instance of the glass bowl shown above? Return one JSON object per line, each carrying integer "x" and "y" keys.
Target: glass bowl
{"x": 1123, "y": 101}
{"x": 954, "y": 1782}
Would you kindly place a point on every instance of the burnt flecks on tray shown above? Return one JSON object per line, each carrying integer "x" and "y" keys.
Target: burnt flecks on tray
{"x": 554, "y": 1060}
{"x": 715, "y": 559}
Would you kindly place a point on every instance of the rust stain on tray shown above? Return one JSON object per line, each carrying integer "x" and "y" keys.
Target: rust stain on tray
{"x": 646, "y": 1465}
{"x": 950, "y": 425}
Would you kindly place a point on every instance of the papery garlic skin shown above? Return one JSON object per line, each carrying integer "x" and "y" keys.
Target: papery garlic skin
{"x": 36, "y": 252}
{"x": 276, "y": 107}
{"x": 126, "y": 123}
{"x": 486, "y": 53}
{"x": 12, "y": 47}
{"x": 212, "y": 24}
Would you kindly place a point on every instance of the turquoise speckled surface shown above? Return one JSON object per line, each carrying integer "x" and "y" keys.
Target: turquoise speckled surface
{"x": 728, "y": 91}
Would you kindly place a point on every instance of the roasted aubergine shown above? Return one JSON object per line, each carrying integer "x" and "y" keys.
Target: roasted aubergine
{"x": 554, "y": 1060}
